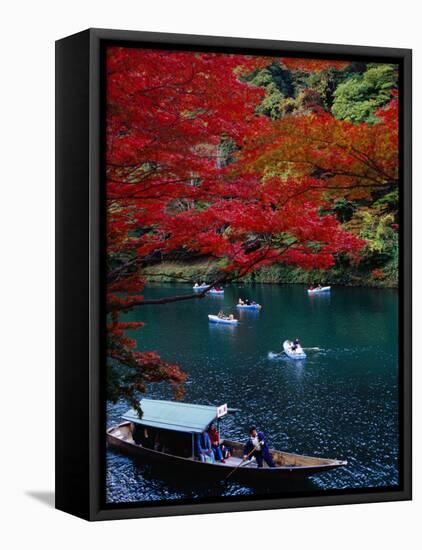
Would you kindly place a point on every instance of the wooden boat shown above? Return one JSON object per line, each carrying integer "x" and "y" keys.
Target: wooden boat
{"x": 298, "y": 353}
{"x": 169, "y": 430}
{"x": 249, "y": 306}
{"x": 223, "y": 320}
{"x": 319, "y": 290}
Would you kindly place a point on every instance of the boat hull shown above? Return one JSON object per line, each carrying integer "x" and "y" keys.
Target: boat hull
{"x": 218, "y": 471}
{"x": 216, "y": 319}
{"x": 292, "y": 354}
{"x": 319, "y": 290}
{"x": 252, "y": 306}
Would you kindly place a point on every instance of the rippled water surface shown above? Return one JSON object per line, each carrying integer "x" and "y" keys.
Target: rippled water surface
{"x": 340, "y": 402}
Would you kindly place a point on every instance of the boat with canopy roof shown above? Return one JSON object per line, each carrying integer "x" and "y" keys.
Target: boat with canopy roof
{"x": 166, "y": 434}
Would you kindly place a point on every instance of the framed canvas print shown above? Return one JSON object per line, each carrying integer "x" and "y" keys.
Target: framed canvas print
{"x": 233, "y": 274}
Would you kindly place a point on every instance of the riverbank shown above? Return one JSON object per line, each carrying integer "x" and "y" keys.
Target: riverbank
{"x": 208, "y": 270}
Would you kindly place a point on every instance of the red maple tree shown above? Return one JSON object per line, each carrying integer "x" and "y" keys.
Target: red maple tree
{"x": 169, "y": 190}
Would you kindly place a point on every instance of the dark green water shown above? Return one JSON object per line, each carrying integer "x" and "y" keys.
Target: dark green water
{"x": 340, "y": 402}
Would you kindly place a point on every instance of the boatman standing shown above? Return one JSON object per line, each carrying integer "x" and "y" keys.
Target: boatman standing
{"x": 258, "y": 444}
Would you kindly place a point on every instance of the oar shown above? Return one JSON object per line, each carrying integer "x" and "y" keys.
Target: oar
{"x": 238, "y": 466}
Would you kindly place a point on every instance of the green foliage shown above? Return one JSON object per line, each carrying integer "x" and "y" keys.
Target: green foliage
{"x": 278, "y": 85}
{"x": 226, "y": 149}
{"x": 325, "y": 83}
{"x": 188, "y": 271}
{"x": 358, "y": 97}
{"x": 381, "y": 251}
{"x": 344, "y": 209}
{"x": 353, "y": 93}
{"x": 389, "y": 202}
{"x": 341, "y": 274}
{"x": 282, "y": 78}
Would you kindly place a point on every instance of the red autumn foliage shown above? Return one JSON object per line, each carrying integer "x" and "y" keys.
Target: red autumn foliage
{"x": 168, "y": 192}
{"x": 378, "y": 273}
{"x": 292, "y": 63}
{"x": 334, "y": 154}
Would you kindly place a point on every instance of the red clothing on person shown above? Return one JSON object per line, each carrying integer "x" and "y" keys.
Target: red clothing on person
{"x": 214, "y": 436}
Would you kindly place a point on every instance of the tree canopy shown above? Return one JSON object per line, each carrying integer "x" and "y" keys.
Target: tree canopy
{"x": 238, "y": 158}
{"x": 358, "y": 98}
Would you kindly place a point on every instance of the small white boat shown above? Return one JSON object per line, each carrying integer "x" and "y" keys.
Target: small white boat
{"x": 249, "y": 306}
{"x": 298, "y": 353}
{"x": 318, "y": 290}
{"x": 223, "y": 320}
{"x": 200, "y": 287}
{"x": 215, "y": 291}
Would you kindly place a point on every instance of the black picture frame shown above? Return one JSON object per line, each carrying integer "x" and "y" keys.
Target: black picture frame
{"x": 80, "y": 421}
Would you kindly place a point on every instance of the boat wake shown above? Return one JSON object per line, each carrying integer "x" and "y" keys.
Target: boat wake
{"x": 273, "y": 355}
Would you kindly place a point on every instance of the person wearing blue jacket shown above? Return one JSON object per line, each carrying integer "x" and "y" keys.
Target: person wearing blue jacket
{"x": 257, "y": 446}
{"x": 203, "y": 447}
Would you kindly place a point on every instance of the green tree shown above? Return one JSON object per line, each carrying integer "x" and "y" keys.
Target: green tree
{"x": 325, "y": 83}
{"x": 278, "y": 85}
{"x": 357, "y": 98}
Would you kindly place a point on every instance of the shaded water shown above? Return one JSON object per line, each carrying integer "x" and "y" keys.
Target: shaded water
{"x": 341, "y": 402}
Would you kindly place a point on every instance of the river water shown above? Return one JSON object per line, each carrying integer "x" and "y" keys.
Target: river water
{"x": 341, "y": 402}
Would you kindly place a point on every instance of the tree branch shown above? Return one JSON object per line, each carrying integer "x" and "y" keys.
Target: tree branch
{"x": 170, "y": 299}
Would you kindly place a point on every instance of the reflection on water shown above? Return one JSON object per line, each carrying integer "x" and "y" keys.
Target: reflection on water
{"x": 341, "y": 402}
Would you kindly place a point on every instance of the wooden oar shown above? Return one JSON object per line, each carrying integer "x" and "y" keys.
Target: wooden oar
{"x": 238, "y": 466}
{"x": 307, "y": 349}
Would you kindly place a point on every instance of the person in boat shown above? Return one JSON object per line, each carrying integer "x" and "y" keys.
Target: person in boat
{"x": 137, "y": 433}
{"x": 247, "y": 302}
{"x": 204, "y": 448}
{"x": 215, "y": 443}
{"x": 231, "y": 317}
{"x": 295, "y": 344}
{"x": 221, "y": 314}
{"x": 204, "y": 283}
{"x": 195, "y": 285}
{"x": 241, "y": 302}
{"x": 142, "y": 436}
{"x": 227, "y": 451}
{"x": 257, "y": 446}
